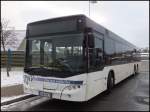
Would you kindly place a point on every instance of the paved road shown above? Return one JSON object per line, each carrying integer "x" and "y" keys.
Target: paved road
{"x": 131, "y": 94}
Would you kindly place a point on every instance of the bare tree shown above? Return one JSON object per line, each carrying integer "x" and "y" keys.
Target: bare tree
{"x": 8, "y": 38}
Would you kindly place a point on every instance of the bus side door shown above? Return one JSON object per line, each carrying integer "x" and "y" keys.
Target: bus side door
{"x": 96, "y": 77}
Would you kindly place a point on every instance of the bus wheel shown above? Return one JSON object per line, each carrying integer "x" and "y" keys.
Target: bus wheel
{"x": 135, "y": 70}
{"x": 110, "y": 82}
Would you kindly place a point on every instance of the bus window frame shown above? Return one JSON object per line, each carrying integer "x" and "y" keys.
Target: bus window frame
{"x": 88, "y": 47}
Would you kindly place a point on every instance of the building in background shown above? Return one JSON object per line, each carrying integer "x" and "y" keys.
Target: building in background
{"x": 20, "y": 34}
{"x": 22, "y": 45}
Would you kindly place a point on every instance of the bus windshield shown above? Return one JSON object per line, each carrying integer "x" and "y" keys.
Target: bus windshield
{"x": 57, "y": 53}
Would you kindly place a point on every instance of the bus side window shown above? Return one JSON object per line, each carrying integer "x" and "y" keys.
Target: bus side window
{"x": 99, "y": 56}
{"x": 96, "y": 54}
{"x": 99, "y": 51}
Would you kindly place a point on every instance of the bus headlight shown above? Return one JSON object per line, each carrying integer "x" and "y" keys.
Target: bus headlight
{"x": 69, "y": 87}
{"x": 73, "y": 87}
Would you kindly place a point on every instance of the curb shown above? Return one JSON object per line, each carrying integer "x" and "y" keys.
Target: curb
{"x": 12, "y": 90}
{"x": 16, "y": 99}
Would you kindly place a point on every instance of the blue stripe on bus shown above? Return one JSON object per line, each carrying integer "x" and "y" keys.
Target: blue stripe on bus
{"x": 55, "y": 80}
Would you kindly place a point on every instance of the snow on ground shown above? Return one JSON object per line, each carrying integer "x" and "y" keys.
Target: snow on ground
{"x": 16, "y": 77}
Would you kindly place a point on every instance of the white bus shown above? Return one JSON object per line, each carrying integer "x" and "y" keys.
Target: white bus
{"x": 73, "y": 58}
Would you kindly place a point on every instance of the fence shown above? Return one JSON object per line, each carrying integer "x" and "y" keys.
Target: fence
{"x": 17, "y": 59}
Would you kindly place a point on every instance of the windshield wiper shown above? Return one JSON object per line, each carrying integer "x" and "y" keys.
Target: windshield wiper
{"x": 65, "y": 65}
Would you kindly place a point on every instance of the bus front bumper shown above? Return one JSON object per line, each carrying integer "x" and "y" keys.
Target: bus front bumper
{"x": 67, "y": 93}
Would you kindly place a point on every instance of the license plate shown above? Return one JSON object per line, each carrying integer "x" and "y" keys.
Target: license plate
{"x": 46, "y": 94}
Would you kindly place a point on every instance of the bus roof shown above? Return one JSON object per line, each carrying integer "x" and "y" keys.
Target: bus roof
{"x": 89, "y": 23}
{"x": 57, "y": 19}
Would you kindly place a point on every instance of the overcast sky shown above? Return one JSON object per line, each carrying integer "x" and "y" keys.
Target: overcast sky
{"x": 128, "y": 19}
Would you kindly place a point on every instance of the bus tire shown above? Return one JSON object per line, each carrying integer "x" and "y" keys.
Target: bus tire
{"x": 110, "y": 82}
{"x": 135, "y": 70}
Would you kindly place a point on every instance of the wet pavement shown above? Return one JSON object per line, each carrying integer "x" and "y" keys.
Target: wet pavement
{"x": 132, "y": 94}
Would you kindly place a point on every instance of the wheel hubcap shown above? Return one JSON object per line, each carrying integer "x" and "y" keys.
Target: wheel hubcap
{"x": 112, "y": 81}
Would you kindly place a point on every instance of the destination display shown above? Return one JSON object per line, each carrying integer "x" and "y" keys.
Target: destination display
{"x": 52, "y": 27}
